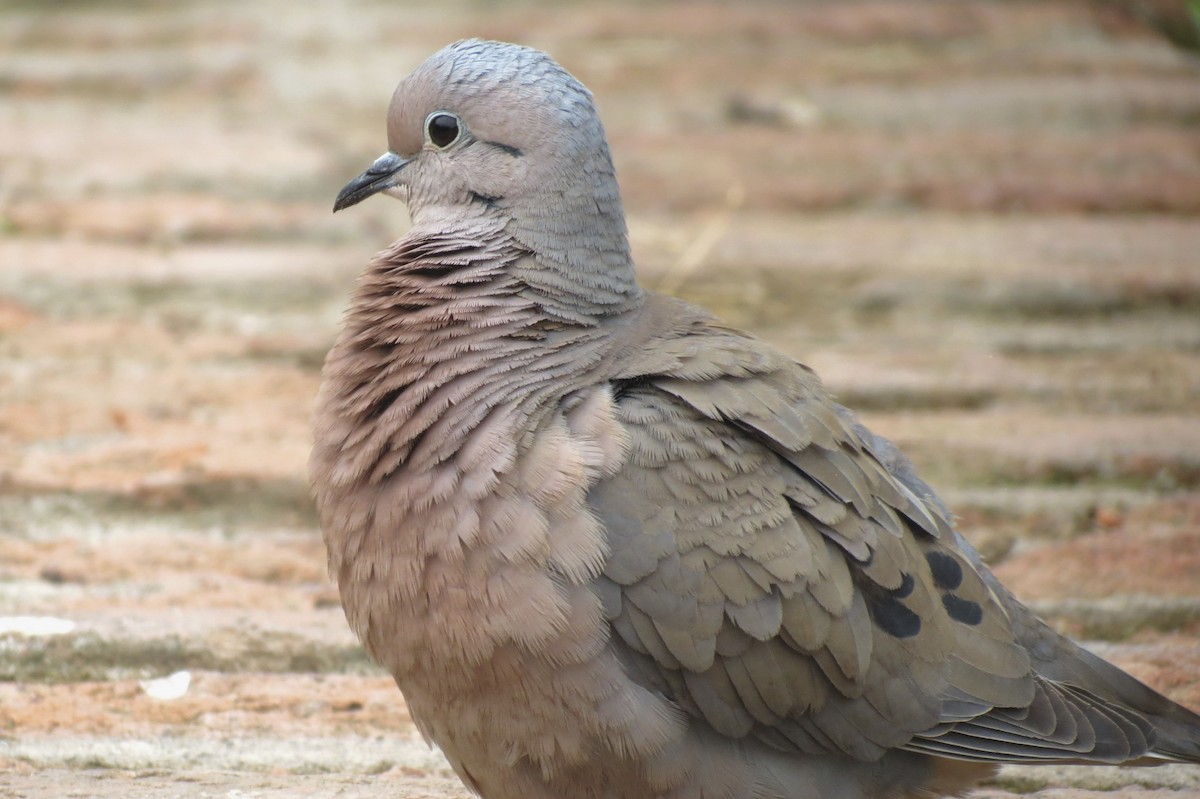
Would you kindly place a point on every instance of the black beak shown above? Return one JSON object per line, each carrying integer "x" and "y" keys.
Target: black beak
{"x": 379, "y": 176}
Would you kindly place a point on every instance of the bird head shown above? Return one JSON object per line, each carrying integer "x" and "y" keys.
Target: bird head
{"x": 492, "y": 131}
{"x": 489, "y": 124}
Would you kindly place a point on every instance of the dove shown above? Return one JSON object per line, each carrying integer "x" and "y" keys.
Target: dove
{"x": 610, "y": 547}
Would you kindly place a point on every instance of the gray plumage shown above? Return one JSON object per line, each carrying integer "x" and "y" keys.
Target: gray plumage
{"x": 609, "y": 547}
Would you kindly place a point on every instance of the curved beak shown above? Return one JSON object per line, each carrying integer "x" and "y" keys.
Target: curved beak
{"x": 381, "y": 175}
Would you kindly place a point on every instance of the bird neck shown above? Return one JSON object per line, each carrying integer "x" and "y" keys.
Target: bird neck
{"x": 441, "y": 328}
{"x": 581, "y": 271}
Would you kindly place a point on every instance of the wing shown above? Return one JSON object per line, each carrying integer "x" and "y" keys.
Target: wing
{"x": 773, "y": 577}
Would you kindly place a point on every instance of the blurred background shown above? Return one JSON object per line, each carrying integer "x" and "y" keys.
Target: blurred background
{"x": 979, "y": 221}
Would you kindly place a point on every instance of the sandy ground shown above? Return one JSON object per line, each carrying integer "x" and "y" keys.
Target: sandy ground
{"x": 977, "y": 220}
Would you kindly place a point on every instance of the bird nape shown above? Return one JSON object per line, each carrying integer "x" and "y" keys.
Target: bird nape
{"x": 611, "y": 547}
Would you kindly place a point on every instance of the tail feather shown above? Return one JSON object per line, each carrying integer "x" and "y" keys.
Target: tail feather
{"x": 1063, "y": 724}
{"x": 1157, "y": 729}
{"x": 1174, "y": 730}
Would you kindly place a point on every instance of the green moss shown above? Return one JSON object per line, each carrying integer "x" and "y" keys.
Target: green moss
{"x": 223, "y": 503}
{"x": 90, "y": 657}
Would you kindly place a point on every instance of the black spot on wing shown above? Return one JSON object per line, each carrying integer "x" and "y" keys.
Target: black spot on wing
{"x": 490, "y": 202}
{"x": 893, "y": 617}
{"x": 947, "y": 572}
{"x": 906, "y": 586}
{"x": 964, "y": 610}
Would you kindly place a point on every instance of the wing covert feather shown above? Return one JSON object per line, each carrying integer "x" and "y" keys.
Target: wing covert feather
{"x": 774, "y": 577}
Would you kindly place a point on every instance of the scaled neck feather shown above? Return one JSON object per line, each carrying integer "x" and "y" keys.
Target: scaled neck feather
{"x": 442, "y": 329}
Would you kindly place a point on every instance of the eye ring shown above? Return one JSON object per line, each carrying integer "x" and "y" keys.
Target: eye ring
{"x": 443, "y": 129}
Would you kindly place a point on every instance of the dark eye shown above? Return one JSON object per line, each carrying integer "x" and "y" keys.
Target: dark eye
{"x": 442, "y": 129}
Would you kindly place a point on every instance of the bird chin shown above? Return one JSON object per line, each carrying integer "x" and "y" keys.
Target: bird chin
{"x": 399, "y": 192}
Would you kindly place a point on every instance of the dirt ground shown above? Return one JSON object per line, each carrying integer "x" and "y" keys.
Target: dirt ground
{"x": 979, "y": 221}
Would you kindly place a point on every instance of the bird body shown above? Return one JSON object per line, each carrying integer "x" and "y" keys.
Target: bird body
{"x": 609, "y": 547}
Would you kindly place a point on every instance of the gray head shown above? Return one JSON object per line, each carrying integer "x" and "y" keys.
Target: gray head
{"x": 487, "y": 128}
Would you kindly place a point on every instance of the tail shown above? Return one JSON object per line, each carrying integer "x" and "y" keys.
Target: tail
{"x": 1175, "y": 733}
{"x": 1132, "y": 723}
{"x": 1085, "y": 709}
